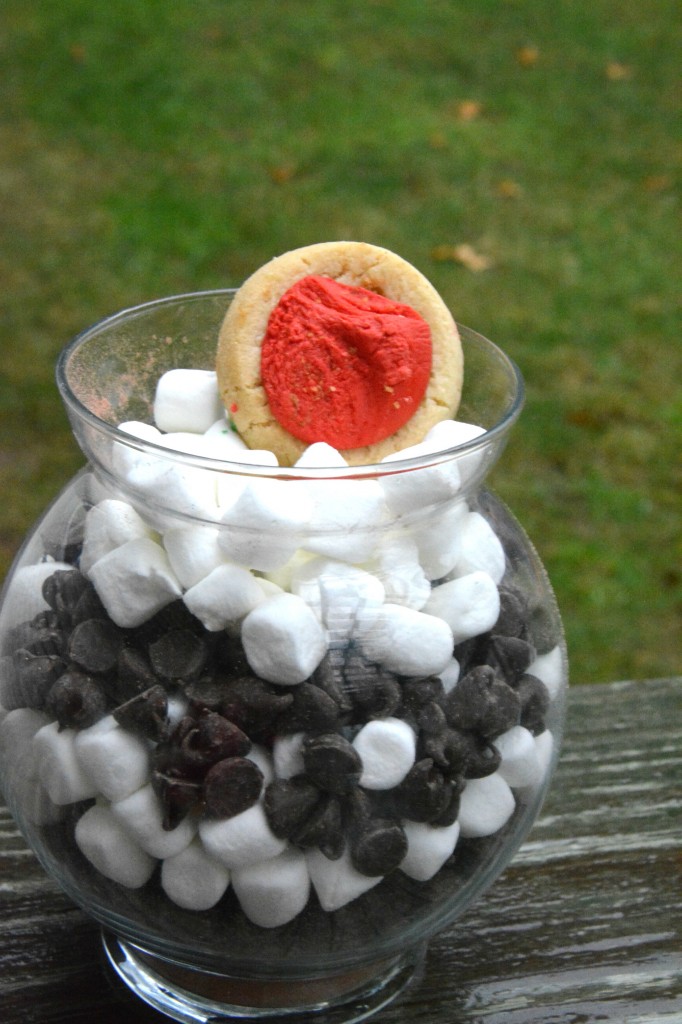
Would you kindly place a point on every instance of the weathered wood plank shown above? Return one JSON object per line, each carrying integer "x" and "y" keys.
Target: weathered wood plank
{"x": 583, "y": 927}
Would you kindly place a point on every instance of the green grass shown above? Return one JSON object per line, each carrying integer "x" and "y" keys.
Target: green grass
{"x": 149, "y": 148}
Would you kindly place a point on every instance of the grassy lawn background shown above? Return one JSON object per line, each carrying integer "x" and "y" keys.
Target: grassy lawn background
{"x": 524, "y": 155}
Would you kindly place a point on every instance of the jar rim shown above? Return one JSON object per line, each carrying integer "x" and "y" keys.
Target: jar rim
{"x": 79, "y": 409}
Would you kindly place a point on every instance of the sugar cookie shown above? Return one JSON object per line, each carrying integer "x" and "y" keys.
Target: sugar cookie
{"x": 404, "y": 374}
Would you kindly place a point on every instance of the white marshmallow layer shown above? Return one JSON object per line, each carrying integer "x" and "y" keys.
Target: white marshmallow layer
{"x": 135, "y": 581}
{"x": 283, "y": 640}
{"x": 273, "y": 892}
{"x": 187, "y": 400}
{"x": 110, "y": 848}
{"x": 116, "y": 761}
{"x": 192, "y": 879}
{"x": 408, "y": 642}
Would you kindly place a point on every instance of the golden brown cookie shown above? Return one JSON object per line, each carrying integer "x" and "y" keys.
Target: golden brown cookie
{"x": 360, "y": 265}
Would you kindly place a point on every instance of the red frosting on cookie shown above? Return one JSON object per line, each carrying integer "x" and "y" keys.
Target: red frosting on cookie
{"x": 343, "y": 364}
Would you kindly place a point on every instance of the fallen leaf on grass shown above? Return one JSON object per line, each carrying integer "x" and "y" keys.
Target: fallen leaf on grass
{"x": 658, "y": 182}
{"x": 77, "y": 53}
{"x": 617, "y": 72}
{"x": 527, "y": 56}
{"x": 468, "y": 110}
{"x": 508, "y": 189}
{"x": 464, "y": 254}
{"x": 280, "y": 175}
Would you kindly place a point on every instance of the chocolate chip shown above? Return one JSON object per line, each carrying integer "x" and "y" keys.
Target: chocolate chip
{"x": 482, "y": 702}
{"x": 513, "y": 615}
{"x": 197, "y": 743}
{"x": 332, "y": 763}
{"x": 510, "y": 655}
{"x": 288, "y": 803}
{"x": 535, "y": 700}
{"x": 34, "y": 674}
{"x": 323, "y": 828}
{"x": 378, "y": 848}
{"x": 482, "y": 758}
{"x": 134, "y": 674}
{"x": 329, "y": 677}
{"x": 231, "y": 786}
{"x": 247, "y": 701}
{"x": 431, "y": 718}
{"x": 417, "y": 693}
{"x": 449, "y": 749}
{"x": 370, "y": 691}
{"x": 88, "y": 606}
{"x": 146, "y": 714}
{"x": 178, "y": 655}
{"x": 424, "y": 794}
{"x": 177, "y": 795}
{"x": 95, "y": 644}
{"x": 39, "y": 638}
{"x": 76, "y": 701}
{"x": 311, "y": 711}
{"x": 214, "y": 737}
{"x": 62, "y": 591}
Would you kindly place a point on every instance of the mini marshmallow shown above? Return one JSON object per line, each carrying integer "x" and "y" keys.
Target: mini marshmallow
{"x": 287, "y": 753}
{"x": 480, "y": 548}
{"x": 549, "y": 668}
{"x": 222, "y": 429}
{"x": 347, "y": 518}
{"x": 231, "y": 483}
{"x": 263, "y": 759}
{"x": 24, "y": 598}
{"x": 451, "y": 433}
{"x": 58, "y": 766}
{"x": 109, "y": 525}
{"x": 438, "y": 539}
{"x": 187, "y": 400}
{"x": 192, "y": 879}
{"x": 395, "y": 561}
{"x": 520, "y": 765}
{"x": 408, "y": 642}
{"x": 428, "y": 848}
{"x": 116, "y": 761}
{"x": 283, "y": 640}
{"x": 226, "y": 595}
{"x": 264, "y": 526}
{"x": 170, "y": 489}
{"x": 126, "y": 457}
{"x": 449, "y": 677}
{"x": 141, "y": 814}
{"x": 135, "y": 581}
{"x": 337, "y": 882}
{"x": 245, "y": 838}
{"x": 110, "y": 849}
{"x": 273, "y": 892}
{"x": 469, "y": 604}
{"x": 193, "y": 552}
{"x": 20, "y": 766}
{"x": 387, "y": 747}
{"x": 485, "y": 806}
{"x": 283, "y": 575}
{"x": 320, "y": 455}
{"x": 544, "y": 750}
{"x": 417, "y": 488}
{"x": 341, "y": 595}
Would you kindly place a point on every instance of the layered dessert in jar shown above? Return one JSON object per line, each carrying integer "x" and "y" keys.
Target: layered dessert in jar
{"x": 297, "y": 701}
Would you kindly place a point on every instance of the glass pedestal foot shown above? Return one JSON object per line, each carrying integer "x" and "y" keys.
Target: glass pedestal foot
{"x": 201, "y": 997}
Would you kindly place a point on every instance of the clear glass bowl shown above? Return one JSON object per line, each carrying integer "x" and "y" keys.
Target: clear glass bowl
{"x": 393, "y": 614}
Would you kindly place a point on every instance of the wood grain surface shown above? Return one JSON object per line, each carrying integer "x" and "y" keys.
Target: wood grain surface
{"x": 584, "y": 927}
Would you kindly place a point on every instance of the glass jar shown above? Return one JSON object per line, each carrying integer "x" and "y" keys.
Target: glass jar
{"x": 273, "y": 728}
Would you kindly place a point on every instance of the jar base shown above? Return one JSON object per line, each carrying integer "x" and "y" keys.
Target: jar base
{"x": 201, "y": 997}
